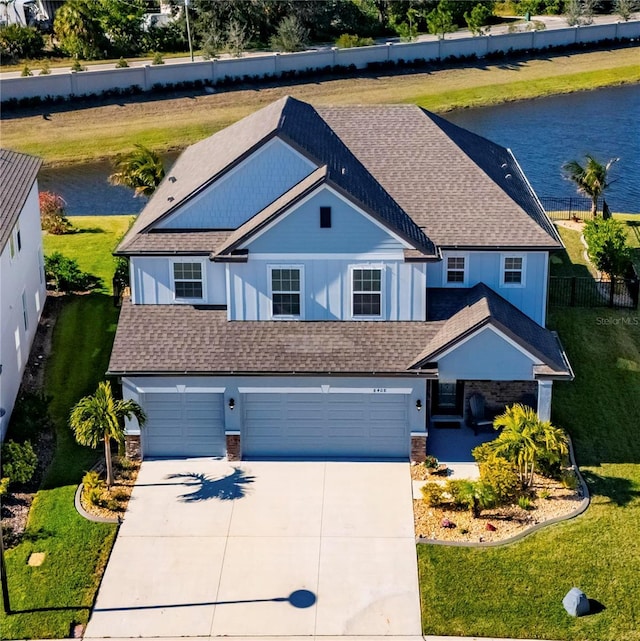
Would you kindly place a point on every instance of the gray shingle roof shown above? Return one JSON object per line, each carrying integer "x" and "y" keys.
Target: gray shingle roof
{"x": 451, "y": 182}
{"x": 482, "y": 306}
{"x": 17, "y": 174}
{"x": 299, "y": 124}
{"x": 187, "y": 339}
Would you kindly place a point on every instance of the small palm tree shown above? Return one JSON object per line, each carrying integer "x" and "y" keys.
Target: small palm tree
{"x": 591, "y": 179}
{"x": 99, "y": 418}
{"x": 141, "y": 170}
{"x": 525, "y": 439}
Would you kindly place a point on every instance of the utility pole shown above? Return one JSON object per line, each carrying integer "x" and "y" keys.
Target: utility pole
{"x": 186, "y": 15}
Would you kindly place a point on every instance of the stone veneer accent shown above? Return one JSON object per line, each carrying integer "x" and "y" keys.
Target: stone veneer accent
{"x": 419, "y": 447}
{"x": 234, "y": 451}
{"x": 132, "y": 447}
{"x": 499, "y": 394}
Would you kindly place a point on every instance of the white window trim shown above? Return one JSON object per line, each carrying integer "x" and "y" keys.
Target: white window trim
{"x": 188, "y": 259}
{"x": 523, "y": 271}
{"x": 382, "y": 290}
{"x": 270, "y": 269}
{"x": 445, "y": 269}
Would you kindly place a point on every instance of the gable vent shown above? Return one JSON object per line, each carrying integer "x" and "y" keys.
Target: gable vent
{"x": 325, "y": 217}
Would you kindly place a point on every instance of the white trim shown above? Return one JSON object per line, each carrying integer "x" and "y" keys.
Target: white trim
{"x": 405, "y": 391}
{"x": 545, "y": 296}
{"x": 372, "y": 266}
{"x": 227, "y": 286}
{"x": 445, "y": 272}
{"x": 523, "y": 270}
{"x": 309, "y": 196}
{"x": 186, "y": 260}
{"x": 300, "y": 292}
{"x": 179, "y": 389}
{"x": 395, "y": 255}
{"x": 502, "y": 335}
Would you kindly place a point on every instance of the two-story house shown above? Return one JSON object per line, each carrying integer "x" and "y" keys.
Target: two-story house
{"x": 22, "y": 283}
{"x": 332, "y": 282}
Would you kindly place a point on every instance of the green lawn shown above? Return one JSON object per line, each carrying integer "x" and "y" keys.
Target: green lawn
{"x": 49, "y": 599}
{"x": 517, "y": 590}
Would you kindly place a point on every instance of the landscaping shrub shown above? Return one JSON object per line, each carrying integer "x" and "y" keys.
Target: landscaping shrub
{"x": 497, "y": 473}
{"x": 474, "y": 496}
{"x": 53, "y": 217}
{"x": 4, "y": 485}
{"x": 19, "y": 461}
{"x": 157, "y": 59}
{"x": 66, "y": 275}
{"x": 30, "y": 417}
{"x": 77, "y": 66}
{"x": 348, "y": 41}
{"x": 26, "y": 72}
{"x": 17, "y": 42}
{"x": 93, "y": 486}
{"x": 122, "y": 63}
{"x": 608, "y": 248}
{"x": 433, "y": 494}
{"x": 524, "y": 502}
{"x": 569, "y": 480}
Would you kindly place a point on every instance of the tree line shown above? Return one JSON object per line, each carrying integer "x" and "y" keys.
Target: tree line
{"x": 94, "y": 29}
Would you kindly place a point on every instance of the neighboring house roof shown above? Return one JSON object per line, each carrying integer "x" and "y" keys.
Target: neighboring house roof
{"x": 480, "y": 307}
{"x": 431, "y": 182}
{"x": 17, "y": 175}
{"x": 160, "y": 339}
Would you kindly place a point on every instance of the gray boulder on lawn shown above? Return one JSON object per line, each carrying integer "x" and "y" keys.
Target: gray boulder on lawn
{"x": 576, "y": 603}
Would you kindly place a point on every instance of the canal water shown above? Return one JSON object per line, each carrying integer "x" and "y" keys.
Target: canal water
{"x": 542, "y": 133}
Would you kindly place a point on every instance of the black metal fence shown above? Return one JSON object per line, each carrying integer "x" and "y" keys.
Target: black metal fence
{"x": 568, "y": 208}
{"x": 581, "y": 291}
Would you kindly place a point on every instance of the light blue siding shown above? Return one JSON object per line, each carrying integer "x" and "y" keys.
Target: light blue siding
{"x": 486, "y": 356}
{"x": 244, "y": 191}
{"x": 151, "y": 280}
{"x": 299, "y": 232}
{"x": 326, "y": 289}
{"x": 486, "y": 267}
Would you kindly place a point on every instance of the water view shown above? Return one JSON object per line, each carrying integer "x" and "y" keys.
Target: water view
{"x": 542, "y": 133}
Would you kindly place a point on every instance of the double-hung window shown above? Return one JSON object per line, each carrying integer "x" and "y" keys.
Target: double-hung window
{"x": 286, "y": 290}
{"x": 367, "y": 291}
{"x": 456, "y": 270}
{"x": 513, "y": 270}
{"x": 188, "y": 280}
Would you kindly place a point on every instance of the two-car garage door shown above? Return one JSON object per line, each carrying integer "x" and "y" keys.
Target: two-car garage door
{"x": 184, "y": 424}
{"x": 325, "y": 425}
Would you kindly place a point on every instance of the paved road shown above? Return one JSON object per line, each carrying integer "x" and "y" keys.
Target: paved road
{"x": 551, "y": 22}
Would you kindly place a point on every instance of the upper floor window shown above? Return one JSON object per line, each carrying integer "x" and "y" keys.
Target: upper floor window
{"x": 15, "y": 241}
{"x": 188, "y": 280}
{"x": 456, "y": 269}
{"x": 367, "y": 291}
{"x": 512, "y": 270}
{"x": 286, "y": 290}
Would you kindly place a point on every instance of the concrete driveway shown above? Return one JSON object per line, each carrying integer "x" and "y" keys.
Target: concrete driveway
{"x": 212, "y": 548}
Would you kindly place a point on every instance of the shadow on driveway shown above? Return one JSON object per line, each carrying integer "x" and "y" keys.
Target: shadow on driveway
{"x": 226, "y": 488}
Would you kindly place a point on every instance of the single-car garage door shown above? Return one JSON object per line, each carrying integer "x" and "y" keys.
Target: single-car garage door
{"x": 183, "y": 424}
{"x": 326, "y": 425}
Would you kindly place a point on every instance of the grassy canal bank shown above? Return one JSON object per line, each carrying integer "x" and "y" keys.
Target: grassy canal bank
{"x": 62, "y": 135}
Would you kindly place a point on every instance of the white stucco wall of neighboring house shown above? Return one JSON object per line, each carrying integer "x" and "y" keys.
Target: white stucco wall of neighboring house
{"x": 22, "y": 298}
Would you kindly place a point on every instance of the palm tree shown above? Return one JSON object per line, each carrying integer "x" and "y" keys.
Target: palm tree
{"x": 99, "y": 418}
{"x": 525, "y": 439}
{"x": 591, "y": 179}
{"x": 141, "y": 170}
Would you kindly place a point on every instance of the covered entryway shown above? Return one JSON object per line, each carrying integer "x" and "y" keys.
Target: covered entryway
{"x": 326, "y": 425}
{"x": 183, "y": 424}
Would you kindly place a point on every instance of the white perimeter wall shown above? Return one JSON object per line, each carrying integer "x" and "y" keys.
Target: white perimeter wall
{"x": 273, "y": 64}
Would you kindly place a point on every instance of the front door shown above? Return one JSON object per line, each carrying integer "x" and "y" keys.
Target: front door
{"x": 447, "y": 398}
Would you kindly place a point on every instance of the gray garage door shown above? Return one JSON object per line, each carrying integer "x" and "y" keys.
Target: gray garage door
{"x": 326, "y": 425}
{"x": 183, "y": 425}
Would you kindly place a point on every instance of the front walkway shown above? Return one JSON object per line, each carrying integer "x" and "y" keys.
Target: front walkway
{"x": 210, "y": 548}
